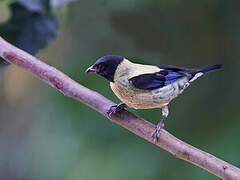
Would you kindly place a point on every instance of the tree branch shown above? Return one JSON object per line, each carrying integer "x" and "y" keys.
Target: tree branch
{"x": 138, "y": 126}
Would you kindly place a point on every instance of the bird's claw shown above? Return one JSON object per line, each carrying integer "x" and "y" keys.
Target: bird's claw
{"x": 116, "y": 108}
{"x": 156, "y": 133}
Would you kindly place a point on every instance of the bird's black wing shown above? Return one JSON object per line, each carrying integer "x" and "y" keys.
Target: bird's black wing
{"x": 178, "y": 69}
{"x": 156, "y": 80}
{"x": 167, "y": 75}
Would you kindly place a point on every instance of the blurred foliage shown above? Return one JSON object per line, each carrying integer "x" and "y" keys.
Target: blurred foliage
{"x": 31, "y": 25}
{"x": 28, "y": 30}
{"x": 44, "y": 135}
{"x": 40, "y": 6}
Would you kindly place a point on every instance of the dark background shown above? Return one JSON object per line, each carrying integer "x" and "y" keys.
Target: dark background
{"x": 44, "y": 135}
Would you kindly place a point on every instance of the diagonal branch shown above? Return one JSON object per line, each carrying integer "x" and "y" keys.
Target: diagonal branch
{"x": 138, "y": 126}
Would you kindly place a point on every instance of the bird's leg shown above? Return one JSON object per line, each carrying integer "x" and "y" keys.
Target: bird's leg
{"x": 160, "y": 125}
{"x": 116, "y": 108}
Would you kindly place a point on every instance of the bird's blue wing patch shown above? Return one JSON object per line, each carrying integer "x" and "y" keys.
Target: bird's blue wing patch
{"x": 172, "y": 76}
{"x": 155, "y": 80}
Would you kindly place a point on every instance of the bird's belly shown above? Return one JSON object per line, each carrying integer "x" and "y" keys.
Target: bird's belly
{"x": 147, "y": 99}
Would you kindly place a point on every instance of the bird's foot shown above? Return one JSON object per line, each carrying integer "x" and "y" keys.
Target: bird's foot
{"x": 116, "y": 108}
{"x": 156, "y": 133}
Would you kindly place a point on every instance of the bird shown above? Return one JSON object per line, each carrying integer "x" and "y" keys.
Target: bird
{"x": 142, "y": 86}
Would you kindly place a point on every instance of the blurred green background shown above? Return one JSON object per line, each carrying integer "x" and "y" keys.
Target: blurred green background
{"x": 44, "y": 135}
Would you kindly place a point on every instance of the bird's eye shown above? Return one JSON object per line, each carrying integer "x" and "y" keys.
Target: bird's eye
{"x": 101, "y": 67}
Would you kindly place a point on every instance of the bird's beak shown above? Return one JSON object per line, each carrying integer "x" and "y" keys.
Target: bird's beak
{"x": 91, "y": 69}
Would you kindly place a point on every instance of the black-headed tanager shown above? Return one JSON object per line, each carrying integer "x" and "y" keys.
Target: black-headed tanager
{"x": 145, "y": 86}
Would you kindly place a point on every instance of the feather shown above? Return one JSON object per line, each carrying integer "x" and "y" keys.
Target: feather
{"x": 167, "y": 75}
{"x": 210, "y": 68}
{"x": 155, "y": 80}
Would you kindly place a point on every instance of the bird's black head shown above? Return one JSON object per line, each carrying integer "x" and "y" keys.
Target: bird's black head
{"x": 106, "y": 66}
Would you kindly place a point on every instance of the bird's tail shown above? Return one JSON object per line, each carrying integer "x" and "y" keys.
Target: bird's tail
{"x": 210, "y": 68}
{"x": 198, "y": 73}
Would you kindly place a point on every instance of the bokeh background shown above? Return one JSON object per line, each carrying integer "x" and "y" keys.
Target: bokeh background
{"x": 44, "y": 135}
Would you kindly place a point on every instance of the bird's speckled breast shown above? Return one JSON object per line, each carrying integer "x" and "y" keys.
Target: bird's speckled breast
{"x": 143, "y": 99}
